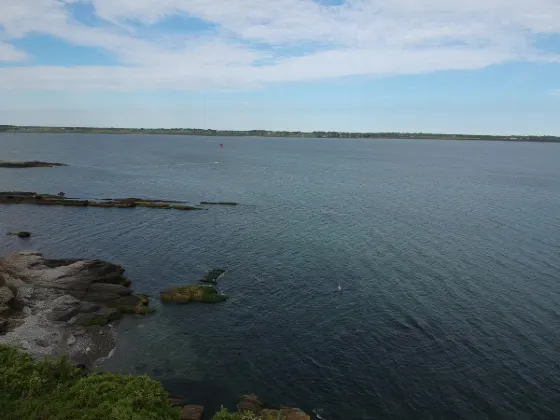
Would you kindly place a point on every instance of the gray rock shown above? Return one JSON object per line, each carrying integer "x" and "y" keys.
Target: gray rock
{"x": 55, "y": 291}
{"x": 100, "y": 317}
{"x": 79, "y": 331}
{"x": 6, "y": 295}
{"x": 71, "y": 275}
{"x": 27, "y": 310}
{"x": 63, "y": 315}
{"x": 88, "y": 307}
{"x": 43, "y": 342}
{"x": 64, "y": 308}
{"x": 104, "y": 292}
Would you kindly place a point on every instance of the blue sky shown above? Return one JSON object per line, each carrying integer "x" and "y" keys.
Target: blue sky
{"x": 471, "y": 66}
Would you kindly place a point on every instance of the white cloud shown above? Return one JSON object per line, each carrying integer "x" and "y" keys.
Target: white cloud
{"x": 360, "y": 37}
{"x": 10, "y": 53}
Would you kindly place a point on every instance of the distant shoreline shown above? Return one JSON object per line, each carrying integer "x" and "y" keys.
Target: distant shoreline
{"x": 277, "y": 134}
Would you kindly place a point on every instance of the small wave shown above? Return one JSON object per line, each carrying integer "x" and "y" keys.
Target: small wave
{"x": 101, "y": 360}
{"x": 319, "y": 413}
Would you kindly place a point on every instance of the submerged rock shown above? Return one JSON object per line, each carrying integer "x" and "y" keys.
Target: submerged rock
{"x": 218, "y": 203}
{"x": 185, "y": 294}
{"x": 212, "y": 276}
{"x": 179, "y": 207}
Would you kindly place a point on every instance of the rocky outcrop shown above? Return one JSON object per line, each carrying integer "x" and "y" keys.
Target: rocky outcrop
{"x": 20, "y": 234}
{"x": 29, "y": 164}
{"x": 285, "y": 414}
{"x": 49, "y": 306}
{"x": 249, "y": 403}
{"x": 24, "y": 197}
{"x": 6, "y": 297}
{"x": 186, "y": 294}
{"x": 192, "y": 412}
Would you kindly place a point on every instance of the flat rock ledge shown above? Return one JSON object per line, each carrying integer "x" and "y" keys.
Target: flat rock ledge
{"x": 29, "y": 164}
{"x": 27, "y": 197}
{"x": 56, "y": 307}
{"x": 251, "y": 404}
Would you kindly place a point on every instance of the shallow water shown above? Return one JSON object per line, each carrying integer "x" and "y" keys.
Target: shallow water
{"x": 447, "y": 254}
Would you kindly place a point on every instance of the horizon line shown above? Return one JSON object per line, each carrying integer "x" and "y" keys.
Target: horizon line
{"x": 264, "y": 132}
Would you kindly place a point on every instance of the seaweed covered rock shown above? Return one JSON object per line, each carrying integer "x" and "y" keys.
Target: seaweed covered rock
{"x": 212, "y": 276}
{"x": 185, "y": 294}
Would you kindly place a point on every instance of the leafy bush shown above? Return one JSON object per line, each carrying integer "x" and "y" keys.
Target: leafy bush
{"x": 56, "y": 390}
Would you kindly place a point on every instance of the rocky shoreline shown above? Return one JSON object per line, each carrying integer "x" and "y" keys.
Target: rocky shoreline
{"x": 63, "y": 307}
{"x": 66, "y": 307}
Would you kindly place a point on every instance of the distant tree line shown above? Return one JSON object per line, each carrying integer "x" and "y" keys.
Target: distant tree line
{"x": 268, "y": 133}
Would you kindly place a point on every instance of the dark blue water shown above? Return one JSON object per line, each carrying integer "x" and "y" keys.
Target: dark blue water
{"x": 448, "y": 254}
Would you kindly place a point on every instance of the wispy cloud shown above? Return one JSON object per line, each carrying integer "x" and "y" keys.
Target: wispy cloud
{"x": 358, "y": 37}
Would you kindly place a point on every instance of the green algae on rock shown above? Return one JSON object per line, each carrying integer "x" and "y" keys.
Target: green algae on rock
{"x": 193, "y": 293}
{"x": 24, "y": 197}
{"x": 212, "y": 276}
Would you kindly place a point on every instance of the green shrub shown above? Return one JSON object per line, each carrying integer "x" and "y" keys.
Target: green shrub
{"x": 56, "y": 390}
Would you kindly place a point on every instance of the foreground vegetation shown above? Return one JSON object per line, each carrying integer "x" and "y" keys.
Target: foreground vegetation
{"x": 268, "y": 133}
{"x": 56, "y": 389}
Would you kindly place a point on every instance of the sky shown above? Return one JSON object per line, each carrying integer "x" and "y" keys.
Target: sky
{"x": 454, "y": 66}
